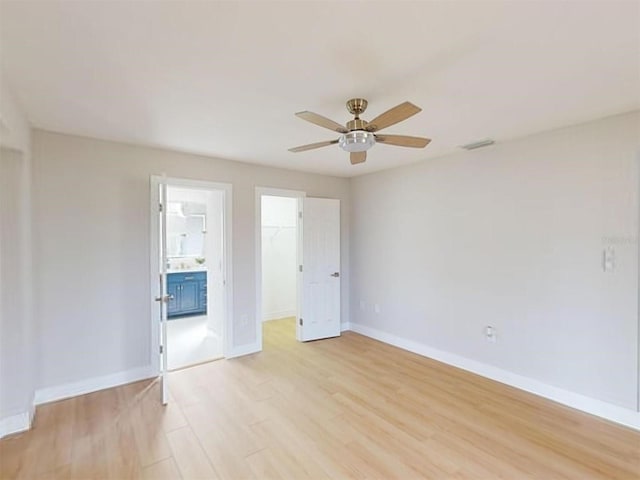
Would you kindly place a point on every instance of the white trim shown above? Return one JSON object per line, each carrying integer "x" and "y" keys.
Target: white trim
{"x": 19, "y": 422}
{"x": 345, "y": 327}
{"x": 32, "y": 410}
{"x": 227, "y": 327}
{"x": 245, "y": 350}
{"x": 73, "y": 389}
{"x": 154, "y": 235}
{"x": 638, "y": 291}
{"x": 599, "y": 408}
{"x": 15, "y": 424}
{"x": 164, "y": 344}
{"x": 279, "y": 314}
{"x": 275, "y": 192}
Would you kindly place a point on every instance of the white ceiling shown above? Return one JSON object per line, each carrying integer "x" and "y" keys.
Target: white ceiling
{"x": 224, "y": 78}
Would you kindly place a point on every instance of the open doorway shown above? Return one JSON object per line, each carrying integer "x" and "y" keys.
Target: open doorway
{"x": 279, "y": 231}
{"x": 316, "y": 267}
{"x": 279, "y": 260}
{"x": 194, "y": 274}
{"x": 192, "y": 235}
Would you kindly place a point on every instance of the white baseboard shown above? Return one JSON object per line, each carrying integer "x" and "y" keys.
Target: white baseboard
{"x": 590, "y": 405}
{"x": 59, "y": 392}
{"x": 32, "y": 409}
{"x": 277, "y": 315}
{"x": 15, "y": 424}
{"x": 345, "y": 326}
{"x": 19, "y": 422}
{"x": 244, "y": 350}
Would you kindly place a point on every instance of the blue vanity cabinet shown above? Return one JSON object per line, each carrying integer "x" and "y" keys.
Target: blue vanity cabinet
{"x": 172, "y": 291}
{"x": 189, "y": 290}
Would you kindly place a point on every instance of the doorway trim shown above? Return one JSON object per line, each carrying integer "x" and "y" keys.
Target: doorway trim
{"x": 275, "y": 192}
{"x": 154, "y": 258}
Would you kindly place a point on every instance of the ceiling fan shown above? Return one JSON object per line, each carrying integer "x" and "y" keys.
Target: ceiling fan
{"x": 358, "y": 135}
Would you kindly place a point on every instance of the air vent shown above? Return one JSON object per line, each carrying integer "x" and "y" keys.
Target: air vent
{"x": 478, "y": 144}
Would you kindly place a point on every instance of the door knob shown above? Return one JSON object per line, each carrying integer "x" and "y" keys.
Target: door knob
{"x": 335, "y": 274}
{"x": 164, "y": 299}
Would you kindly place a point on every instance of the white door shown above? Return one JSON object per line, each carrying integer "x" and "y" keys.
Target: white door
{"x": 164, "y": 296}
{"x": 215, "y": 260}
{"x": 320, "y": 308}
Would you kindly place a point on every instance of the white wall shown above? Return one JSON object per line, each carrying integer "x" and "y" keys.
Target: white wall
{"x": 511, "y": 236}
{"x": 91, "y": 213}
{"x": 15, "y": 131}
{"x": 17, "y": 384}
{"x": 17, "y": 346}
{"x": 279, "y": 257}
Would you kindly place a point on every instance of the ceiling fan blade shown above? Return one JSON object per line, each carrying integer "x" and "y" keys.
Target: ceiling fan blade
{"x": 391, "y": 117}
{"x": 311, "y": 146}
{"x": 403, "y": 141}
{"x": 358, "y": 157}
{"x": 321, "y": 121}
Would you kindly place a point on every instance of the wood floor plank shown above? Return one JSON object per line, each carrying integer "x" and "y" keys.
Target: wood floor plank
{"x": 280, "y": 435}
{"x": 13, "y": 456}
{"x": 162, "y": 470}
{"x": 60, "y": 473}
{"x": 347, "y": 407}
{"x": 191, "y": 459}
{"x": 51, "y": 449}
{"x": 144, "y": 410}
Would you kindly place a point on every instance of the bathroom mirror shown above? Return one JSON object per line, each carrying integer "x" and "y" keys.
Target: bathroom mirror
{"x": 186, "y": 228}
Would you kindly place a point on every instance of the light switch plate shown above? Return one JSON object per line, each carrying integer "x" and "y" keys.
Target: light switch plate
{"x": 608, "y": 259}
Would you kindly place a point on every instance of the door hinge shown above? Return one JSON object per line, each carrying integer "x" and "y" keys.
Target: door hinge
{"x": 299, "y": 214}
{"x": 301, "y": 321}
{"x": 300, "y": 268}
{"x": 161, "y": 349}
{"x": 160, "y": 207}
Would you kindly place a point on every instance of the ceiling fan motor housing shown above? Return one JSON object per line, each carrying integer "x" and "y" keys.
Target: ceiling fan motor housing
{"x": 356, "y": 106}
{"x": 357, "y": 124}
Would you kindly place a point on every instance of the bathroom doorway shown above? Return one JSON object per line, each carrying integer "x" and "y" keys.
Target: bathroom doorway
{"x": 194, "y": 220}
{"x": 194, "y": 275}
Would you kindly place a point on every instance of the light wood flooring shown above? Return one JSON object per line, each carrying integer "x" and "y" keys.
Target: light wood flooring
{"x": 348, "y": 407}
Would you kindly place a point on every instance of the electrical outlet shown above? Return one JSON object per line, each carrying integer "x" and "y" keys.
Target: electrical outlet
{"x": 376, "y": 308}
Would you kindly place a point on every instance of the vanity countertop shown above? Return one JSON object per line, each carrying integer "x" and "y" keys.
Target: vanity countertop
{"x": 187, "y": 270}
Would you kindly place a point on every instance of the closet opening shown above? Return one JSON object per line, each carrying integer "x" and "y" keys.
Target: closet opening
{"x": 279, "y": 265}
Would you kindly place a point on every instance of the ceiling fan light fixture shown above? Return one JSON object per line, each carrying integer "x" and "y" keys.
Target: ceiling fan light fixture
{"x": 357, "y": 141}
